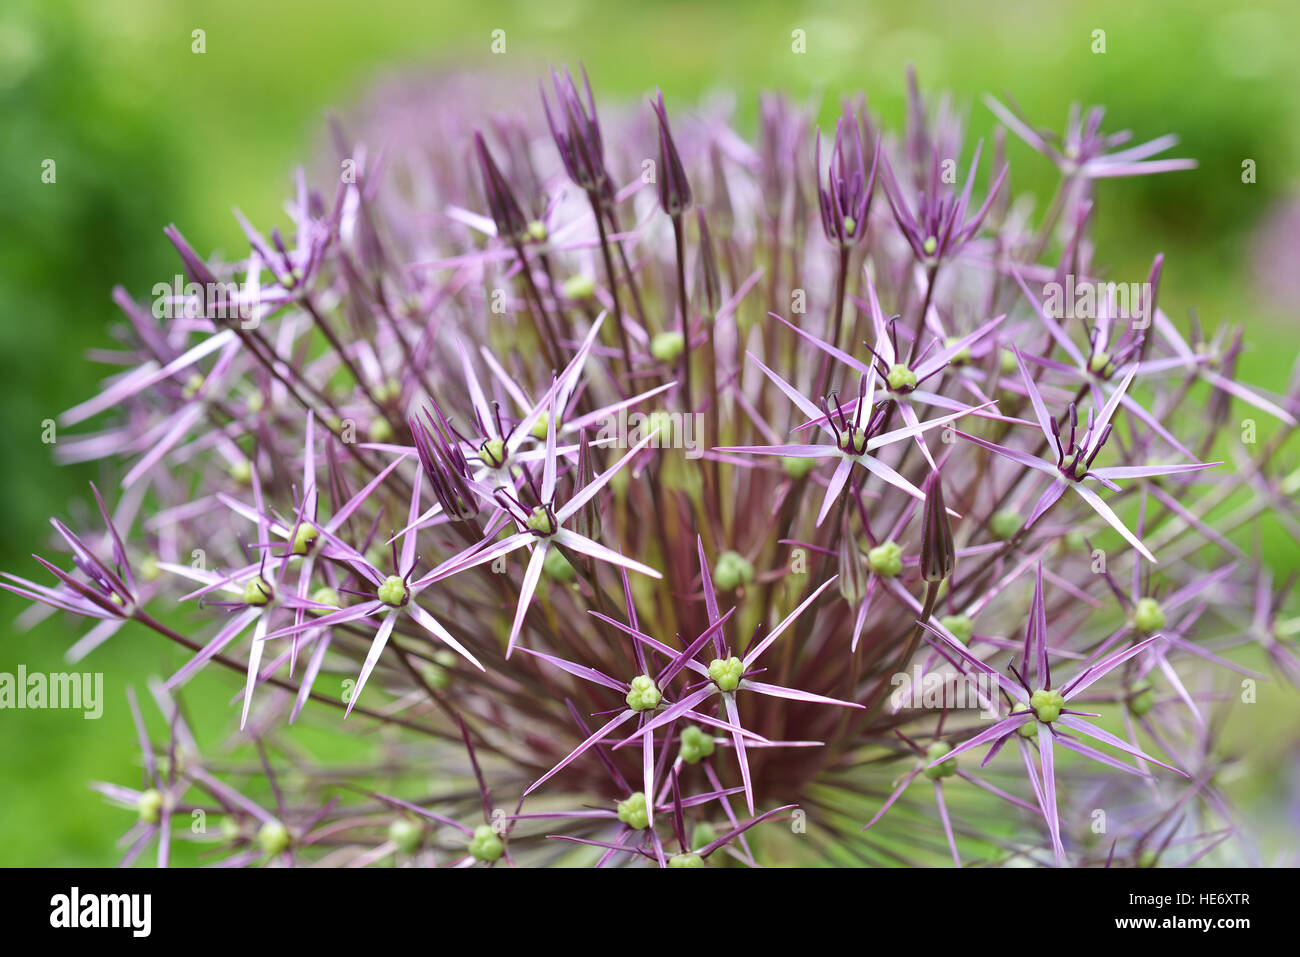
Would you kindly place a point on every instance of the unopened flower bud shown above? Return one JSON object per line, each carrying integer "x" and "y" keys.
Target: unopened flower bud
{"x": 938, "y": 555}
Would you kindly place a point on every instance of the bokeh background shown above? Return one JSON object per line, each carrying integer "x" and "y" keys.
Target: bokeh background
{"x": 146, "y": 132}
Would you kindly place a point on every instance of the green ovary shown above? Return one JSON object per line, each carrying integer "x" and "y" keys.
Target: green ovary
{"x": 633, "y": 811}
{"x": 539, "y": 428}
{"x": 960, "y": 625}
{"x": 667, "y": 346}
{"x": 944, "y": 770}
{"x": 901, "y": 378}
{"x": 149, "y": 806}
{"x": 1047, "y": 704}
{"x": 393, "y": 591}
{"x": 686, "y": 860}
{"x": 644, "y": 694}
{"x": 726, "y": 672}
{"x": 486, "y": 845}
{"x": 797, "y": 467}
{"x": 541, "y": 521}
{"x": 732, "y": 570}
{"x": 697, "y": 744}
{"x": 492, "y": 452}
{"x": 886, "y": 559}
{"x": 274, "y": 838}
{"x": 407, "y": 835}
{"x": 1005, "y": 523}
{"x": 302, "y": 540}
{"x": 257, "y": 592}
{"x": 1148, "y": 617}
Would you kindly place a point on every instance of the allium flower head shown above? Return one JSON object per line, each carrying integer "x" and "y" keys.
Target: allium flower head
{"x": 658, "y": 539}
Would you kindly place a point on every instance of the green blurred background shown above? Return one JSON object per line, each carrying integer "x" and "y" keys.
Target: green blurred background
{"x": 145, "y": 132}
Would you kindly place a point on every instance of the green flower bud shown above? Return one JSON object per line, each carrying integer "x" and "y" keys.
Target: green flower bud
{"x": 556, "y": 567}
{"x": 901, "y": 378}
{"x": 961, "y": 356}
{"x": 241, "y": 471}
{"x": 886, "y": 559}
{"x": 960, "y": 625}
{"x": 930, "y": 245}
{"x": 644, "y": 694}
{"x": 1148, "y": 616}
{"x": 380, "y": 430}
{"x": 797, "y": 467}
{"x": 326, "y": 596}
{"x": 697, "y": 744}
{"x": 1007, "y": 362}
{"x": 274, "y": 838}
{"x": 437, "y": 673}
{"x": 303, "y": 538}
{"x": 257, "y": 592}
{"x": 537, "y": 231}
{"x": 486, "y": 845}
{"x": 1147, "y": 858}
{"x": 192, "y": 385}
{"x": 230, "y": 829}
{"x": 1028, "y": 730}
{"x": 578, "y": 287}
{"x": 149, "y": 570}
{"x": 703, "y": 835}
{"x": 1005, "y": 524}
{"x": 406, "y": 834}
{"x": 686, "y": 860}
{"x": 667, "y": 346}
{"x": 850, "y": 224}
{"x": 732, "y": 570}
{"x": 632, "y": 811}
{"x": 1142, "y": 699}
{"x": 393, "y": 591}
{"x": 726, "y": 672}
{"x": 149, "y": 806}
{"x": 945, "y": 770}
{"x": 1047, "y": 704}
{"x": 538, "y": 431}
{"x": 1100, "y": 365}
{"x": 388, "y": 390}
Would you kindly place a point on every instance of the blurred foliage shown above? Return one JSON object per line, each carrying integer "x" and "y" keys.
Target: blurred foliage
{"x": 146, "y": 132}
